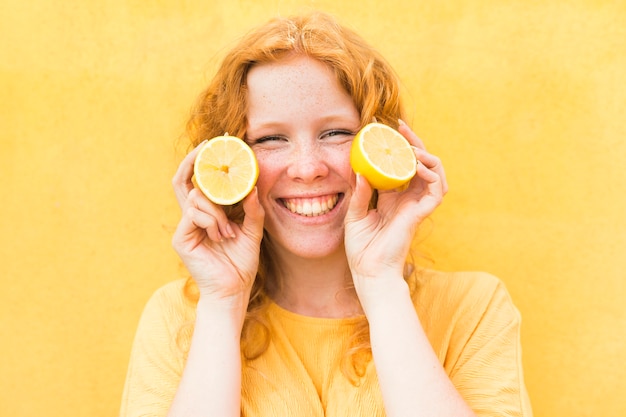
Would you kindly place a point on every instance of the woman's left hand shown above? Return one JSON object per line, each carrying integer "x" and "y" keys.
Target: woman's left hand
{"x": 378, "y": 240}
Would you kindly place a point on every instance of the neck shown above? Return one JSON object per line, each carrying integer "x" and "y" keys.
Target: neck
{"x": 316, "y": 287}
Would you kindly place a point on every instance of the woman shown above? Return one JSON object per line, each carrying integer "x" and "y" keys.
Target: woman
{"x": 302, "y": 299}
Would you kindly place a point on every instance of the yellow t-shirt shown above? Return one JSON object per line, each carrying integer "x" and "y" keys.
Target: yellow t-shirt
{"x": 469, "y": 318}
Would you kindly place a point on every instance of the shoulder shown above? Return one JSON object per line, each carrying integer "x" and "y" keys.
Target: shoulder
{"x": 457, "y": 279}
{"x": 462, "y": 299}
{"x": 467, "y": 287}
{"x": 474, "y": 328}
{"x": 158, "y": 353}
{"x": 168, "y": 307}
{"x": 165, "y": 326}
{"x": 171, "y": 292}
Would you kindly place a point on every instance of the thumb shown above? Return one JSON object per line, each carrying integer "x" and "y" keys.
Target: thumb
{"x": 360, "y": 200}
{"x": 254, "y": 215}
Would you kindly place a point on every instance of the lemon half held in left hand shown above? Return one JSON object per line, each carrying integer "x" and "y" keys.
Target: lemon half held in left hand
{"x": 225, "y": 170}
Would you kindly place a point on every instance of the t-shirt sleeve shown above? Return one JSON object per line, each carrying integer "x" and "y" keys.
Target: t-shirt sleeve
{"x": 157, "y": 359}
{"x": 487, "y": 366}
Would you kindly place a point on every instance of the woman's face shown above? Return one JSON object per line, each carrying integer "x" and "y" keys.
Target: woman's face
{"x": 300, "y": 125}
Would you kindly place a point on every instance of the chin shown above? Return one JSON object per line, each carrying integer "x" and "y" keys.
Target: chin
{"x": 314, "y": 248}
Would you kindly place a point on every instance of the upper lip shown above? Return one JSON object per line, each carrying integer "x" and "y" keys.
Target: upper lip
{"x": 311, "y": 195}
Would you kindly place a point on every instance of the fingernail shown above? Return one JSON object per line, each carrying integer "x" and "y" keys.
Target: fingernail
{"x": 401, "y": 122}
{"x": 231, "y": 232}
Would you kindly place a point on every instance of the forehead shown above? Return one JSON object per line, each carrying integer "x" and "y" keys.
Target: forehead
{"x": 299, "y": 71}
{"x": 294, "y": 84}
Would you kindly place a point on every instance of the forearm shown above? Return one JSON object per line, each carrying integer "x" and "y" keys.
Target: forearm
{"x": 412, "y": 380}
{"x": 211, "y": 381}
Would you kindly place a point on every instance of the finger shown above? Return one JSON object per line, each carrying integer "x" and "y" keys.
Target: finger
{"x": 427, "y": 196}
{"x": 192, "y": 230}
{"x": 205, "y": 221}
{"x": 428, "y": 175}
{"x": 182, "y": 178}
{"x": 254, "y": 215}
{"x": 433, "y": 191}
{"x": 198, "y": 201}
{"x": 359, "y": 202}
{"x": 413, "y": 139}
{"x": 433, "y": 163}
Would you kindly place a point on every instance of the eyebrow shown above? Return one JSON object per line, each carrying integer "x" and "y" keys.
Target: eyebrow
{"x": 330, "y": 118}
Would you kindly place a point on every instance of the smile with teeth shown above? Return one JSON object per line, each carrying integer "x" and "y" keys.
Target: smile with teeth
{"x": 311, "y": 207}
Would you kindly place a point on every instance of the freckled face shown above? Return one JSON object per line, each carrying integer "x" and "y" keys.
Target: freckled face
{"x": 300, "y": 125}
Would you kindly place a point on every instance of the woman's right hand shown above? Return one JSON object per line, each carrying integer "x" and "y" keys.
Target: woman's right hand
{"x": 221, "y": 255}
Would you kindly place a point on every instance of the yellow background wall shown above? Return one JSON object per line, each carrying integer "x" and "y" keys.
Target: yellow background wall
{"x": 525, "y": 101}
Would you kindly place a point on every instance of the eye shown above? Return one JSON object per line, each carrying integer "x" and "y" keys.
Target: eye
{"x": 268, "y": 139}
{"x": 339, "y": 132}
{"x": 338, "y": 135}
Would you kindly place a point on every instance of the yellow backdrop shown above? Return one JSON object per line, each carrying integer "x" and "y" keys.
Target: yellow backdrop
{"x": 525, "y": 102}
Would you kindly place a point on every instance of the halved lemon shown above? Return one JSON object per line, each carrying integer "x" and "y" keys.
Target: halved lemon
{"x": 225, "y": 170}
{"x": 383, "y": 156}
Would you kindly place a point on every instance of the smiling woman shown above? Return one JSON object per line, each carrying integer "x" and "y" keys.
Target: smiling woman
{"x": 303, "y": 299}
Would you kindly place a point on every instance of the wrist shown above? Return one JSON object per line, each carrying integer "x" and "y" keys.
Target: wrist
{"x": 226, "y": 310}
{"x": 380, "y": 294}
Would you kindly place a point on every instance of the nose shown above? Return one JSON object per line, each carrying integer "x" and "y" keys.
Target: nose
{"x": 307, "y": 163}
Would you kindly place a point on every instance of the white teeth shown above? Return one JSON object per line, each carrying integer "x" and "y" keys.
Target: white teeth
{"x": 311, "y": 206}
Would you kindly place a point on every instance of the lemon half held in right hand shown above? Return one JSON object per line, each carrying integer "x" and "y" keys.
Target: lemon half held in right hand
{"x": 383, "y": 156}
{"x": 225, "y": 170}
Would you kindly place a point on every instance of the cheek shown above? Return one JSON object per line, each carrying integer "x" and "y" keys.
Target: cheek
{"x": 269, "y": 171}
{"x": 340, "y": 160}
{"x": 348, "y": 174}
